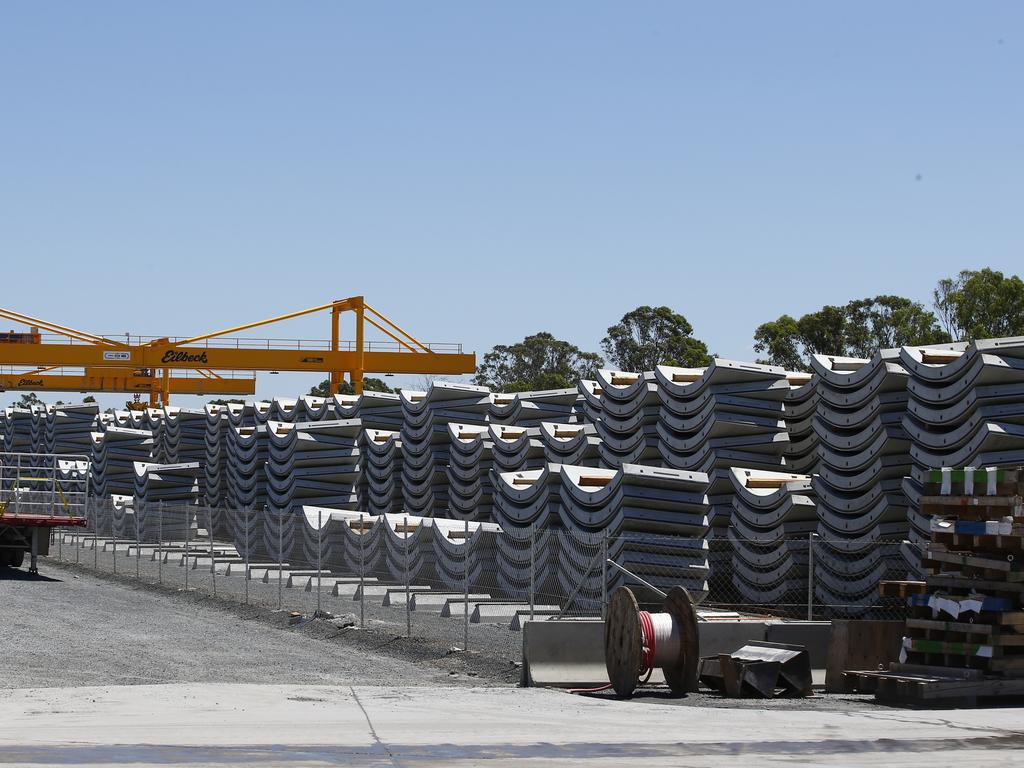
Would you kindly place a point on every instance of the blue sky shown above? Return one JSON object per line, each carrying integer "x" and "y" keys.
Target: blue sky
{"x": 482, "y": 171}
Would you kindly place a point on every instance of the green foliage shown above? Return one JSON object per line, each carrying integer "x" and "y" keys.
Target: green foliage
{"x": 222, "y": 401}
{"x": 857, "y": 329}
{"x": 27, "y": 400}
{"x": 980, "y": 304}
{"x": 650, "y": 336}
{"x": 537, "y": 362}
{"x": 780, "y": 339}
{"x": 370, "y": 384}
{"x": 88, "y": 399}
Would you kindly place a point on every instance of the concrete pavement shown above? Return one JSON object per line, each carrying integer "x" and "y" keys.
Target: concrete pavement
{"x": 233, "y": 725}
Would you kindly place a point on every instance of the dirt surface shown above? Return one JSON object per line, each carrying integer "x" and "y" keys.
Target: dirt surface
{"x": 73, "y": 628}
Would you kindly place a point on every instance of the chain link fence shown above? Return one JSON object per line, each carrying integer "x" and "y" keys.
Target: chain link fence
{"x": 467, "y": 585}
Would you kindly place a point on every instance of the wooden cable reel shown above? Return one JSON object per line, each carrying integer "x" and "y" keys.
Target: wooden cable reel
{"x": 631, "y": 650}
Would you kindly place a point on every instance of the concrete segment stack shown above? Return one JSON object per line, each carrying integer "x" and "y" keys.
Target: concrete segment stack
{"x": 570, "y": 444}
{"x": 650, "y": 520}
{"x": 529, "y": 409}
{"x": 183, "y": 435}
{"x": 380, "y": 490}
{"x": 68, "y": 428}
{"x": 774, "y": 515}
{"x": 514, "y": 448}
{"x": 799, "y": 407}
{"x": 469, "y": 483}
{"x": 113, "y": 455}
{"x": 865, "y": 452}
{"x": 526, "y": 505}
{"x": 165, "y": 500}
{"x": 17, "y": 430}
{"x": 313, "y": 463}
{"x": 215, "y": 454}
{"x": 426, "y": 443}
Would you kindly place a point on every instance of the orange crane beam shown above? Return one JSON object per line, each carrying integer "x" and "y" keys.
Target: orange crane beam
{"x": 108, "y": 380}
{"x": 209, "y": 352}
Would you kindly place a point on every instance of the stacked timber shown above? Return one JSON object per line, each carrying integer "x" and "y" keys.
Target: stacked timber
{"x": 964, "y": 639}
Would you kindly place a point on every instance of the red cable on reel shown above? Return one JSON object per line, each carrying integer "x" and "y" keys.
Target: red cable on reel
{"x": 649, "y": 642}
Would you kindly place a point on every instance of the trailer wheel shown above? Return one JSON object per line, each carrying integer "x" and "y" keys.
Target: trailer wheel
{"x": 15, "y": 557}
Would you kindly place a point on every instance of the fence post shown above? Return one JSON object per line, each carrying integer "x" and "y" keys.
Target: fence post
{"x": 810, "y": 575}
{"x": 533, "y": 532}
{"x": 248, "y": 524}
{"x": 408, "y": 608}
{"x": 319, "y": 559}
{"x": 184, "y": 517}
{"x": 96, "y": 537}
{"x": 465, "y": 586}
{"x": 53, "y": 510}
{"x": 138, "y": 545}
{"x": 160, "y": 542}
{"x": 280, "y": 561}
{"x": 113, "y": 535}
{"x": 213, "y": 562}
{"x": 362, "y": 579}
{"x": 604, "y": 574}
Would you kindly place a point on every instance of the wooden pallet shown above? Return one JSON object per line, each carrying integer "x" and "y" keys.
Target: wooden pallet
{"x": 971, "y": 566}
{"x": 972, "y": 507}
{"x": 903, "y": 589}
{"x": 918, "y": 685}
{"x": 964, "y": 636}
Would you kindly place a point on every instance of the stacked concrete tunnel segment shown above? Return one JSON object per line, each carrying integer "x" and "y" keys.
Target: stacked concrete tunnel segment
{"x": 740, "y": 464}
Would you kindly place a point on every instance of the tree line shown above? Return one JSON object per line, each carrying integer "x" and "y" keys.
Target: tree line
{"x": 975, "y": 304}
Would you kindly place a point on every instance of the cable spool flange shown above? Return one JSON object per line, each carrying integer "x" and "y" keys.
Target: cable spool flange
{"x": 629, "y": 651}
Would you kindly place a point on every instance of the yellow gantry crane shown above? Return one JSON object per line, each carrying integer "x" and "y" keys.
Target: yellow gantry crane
{"x": 52, "y": 357}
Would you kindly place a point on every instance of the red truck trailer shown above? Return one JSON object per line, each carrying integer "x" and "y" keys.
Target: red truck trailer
{"x": 39, "y": 492}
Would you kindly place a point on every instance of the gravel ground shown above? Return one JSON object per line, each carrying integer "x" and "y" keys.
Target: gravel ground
{"x": 72, "y": 628}
{"x": 152, "y": 631}
{"x": 494, "y": 650}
